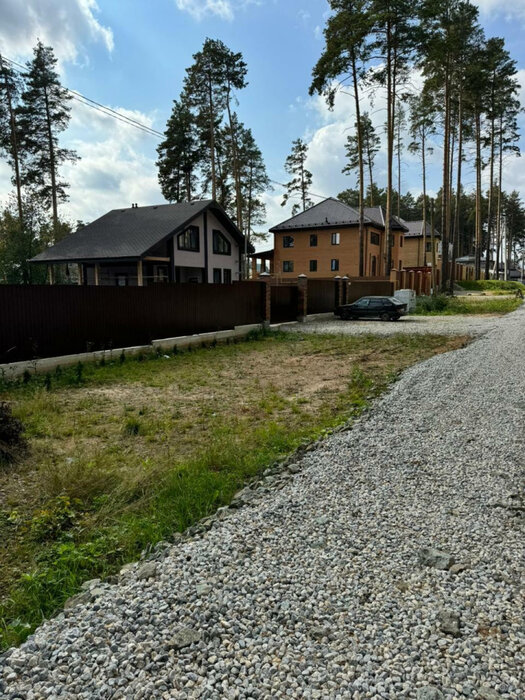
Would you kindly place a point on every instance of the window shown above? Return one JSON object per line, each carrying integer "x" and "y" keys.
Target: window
{"x": 428, "y": 247}
{"x": 374, "y": 238}
{"x": 189, "y": 239}
{"x": 287, "y": 265}
{"x": 334, "y": 265}
{"x": 401, "y": 241}
{"x": 227, "y": 276}
{"x": 217, "y": 275}
{"x": 121, "y": 280}
{"x": 288, "y": 241}
{"x": 313, "y": 265}
{"x": 313, "y": 240}
{"x": 335, "y": 238}
{"x": 400, "y": 265}
{"x": 362, "y": 302}
{"x": 376, "y": 303}
{"x": 221, "y": 245}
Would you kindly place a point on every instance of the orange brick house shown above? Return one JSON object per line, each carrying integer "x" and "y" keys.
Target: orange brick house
{"x": 323, "y": 241}
{"x": 418, "y": 245}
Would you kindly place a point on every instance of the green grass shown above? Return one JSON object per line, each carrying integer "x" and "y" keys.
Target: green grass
{"x": 442, "y": 305}
{"x": 493, "y": 286}
{"x": 125, "y": 454}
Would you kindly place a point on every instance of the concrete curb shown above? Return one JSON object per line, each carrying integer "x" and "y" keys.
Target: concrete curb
{"x": 13, "y": 370}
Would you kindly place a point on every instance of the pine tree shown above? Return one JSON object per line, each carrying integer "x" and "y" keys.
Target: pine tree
{"x": 10, "y": 89}
{"x": 371, "y": 144}
{"x": 301, "y": 181}
{"x": 394, "y": 43}
{"x": 179, "y": 155}
{"x": 347, "y": 37}
{"x": 422, "y": 115}
{"x": 44, "y": 114}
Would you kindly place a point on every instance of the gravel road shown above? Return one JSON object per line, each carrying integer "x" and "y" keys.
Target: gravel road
{"x": 384, "y": 563}
{"x": 443, "y": 325}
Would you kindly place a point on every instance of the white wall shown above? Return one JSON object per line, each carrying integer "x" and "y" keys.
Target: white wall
{"x": 187, "y": 258}
{"x": 223, "y": 262}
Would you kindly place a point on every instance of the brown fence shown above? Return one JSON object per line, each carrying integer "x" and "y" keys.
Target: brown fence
{"x": 284, "y": 303}
{"x": 322, "y": 296}
{"x": 46, "y": 321}
{"x": 357, "y": 288}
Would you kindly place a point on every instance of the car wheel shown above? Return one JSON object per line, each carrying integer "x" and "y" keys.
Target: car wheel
{"x": 385, "y": 317}
{"x": 395, "y": 318}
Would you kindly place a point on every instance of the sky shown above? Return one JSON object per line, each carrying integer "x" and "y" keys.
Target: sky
{"x": 131, "y": 55}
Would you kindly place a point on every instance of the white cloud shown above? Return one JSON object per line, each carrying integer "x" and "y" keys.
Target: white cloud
{"x": 117, "y": 165}
{"x": 496, "y": 7}
{"x": 202, "y": 9}
{"x": 67, "y": 25}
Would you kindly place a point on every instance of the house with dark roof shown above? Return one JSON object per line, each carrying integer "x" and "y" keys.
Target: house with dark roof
{"x": 418, "y": 244}
{"x": 186, "y": 242}
{"x": 323, "y": 241}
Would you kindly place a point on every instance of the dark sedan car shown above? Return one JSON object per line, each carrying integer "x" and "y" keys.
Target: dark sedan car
{"x": 385, "y": 308}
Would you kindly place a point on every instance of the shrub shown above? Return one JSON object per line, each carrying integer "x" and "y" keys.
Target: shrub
{"x": 12, "y": 441}
{"x": 435, "y": 303}
{"x": 491, "y": 285}
{"x": 60, "y": 514}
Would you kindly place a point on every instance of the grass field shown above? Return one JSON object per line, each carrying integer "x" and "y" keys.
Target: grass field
{"x": 125, "y": 454}
{"x": 448, "y": 306}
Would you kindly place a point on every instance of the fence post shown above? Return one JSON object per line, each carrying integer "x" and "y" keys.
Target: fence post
{"x": 419, "y": 279}
{"x": 267, "y": 298}
{"x": 338, "y": 294}
{"x": 394, "y": 278}
{"x": 302, "y": 298}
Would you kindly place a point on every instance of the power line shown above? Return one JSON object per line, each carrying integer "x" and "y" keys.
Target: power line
{"x": 108, "y": 111}
{"x": 128, "y": 121}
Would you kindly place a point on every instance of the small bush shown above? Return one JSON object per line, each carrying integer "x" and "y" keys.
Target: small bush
{"x": 12, "y": 441}
{"x": 132, "y": 427}
{"x": 59, "y": 515}
{"x": 436, "y": 303}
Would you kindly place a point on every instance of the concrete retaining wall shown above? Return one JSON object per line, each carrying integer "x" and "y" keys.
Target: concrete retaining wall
{"x": 15, "y": 369}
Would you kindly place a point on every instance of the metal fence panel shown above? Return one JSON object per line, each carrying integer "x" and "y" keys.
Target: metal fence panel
{"x": 46, "y": 321}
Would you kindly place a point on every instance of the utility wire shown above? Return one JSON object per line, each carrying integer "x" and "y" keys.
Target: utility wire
{"x": 96, "y": 105}
{"x": 128, "y": 121}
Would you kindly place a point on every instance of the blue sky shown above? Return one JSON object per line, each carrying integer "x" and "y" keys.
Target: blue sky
{"x": 131, "y": 55}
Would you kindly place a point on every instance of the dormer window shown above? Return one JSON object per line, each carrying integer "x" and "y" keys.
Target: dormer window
{"x": 189, "y": 239}
{"x": 288, "y": 241}
{"x": 221, "y": 245}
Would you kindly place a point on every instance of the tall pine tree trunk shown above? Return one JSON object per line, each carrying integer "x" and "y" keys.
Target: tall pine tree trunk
{"x": 361, "y": 170}
{"x": 14, "y": 148}
{"x": 491, "y": 198}
{"x": 478, "y": 233}
{"x": 455, "y": 235}
{"x": 498, "y": 213}
{"x": 212, "y": 142}
{"x": 236, "y": 177}
{"x": 423, "y": 165}
{"x": 445, "y": 208}
{"x": 390, "y": 153}
{"x": 52, "y": 167}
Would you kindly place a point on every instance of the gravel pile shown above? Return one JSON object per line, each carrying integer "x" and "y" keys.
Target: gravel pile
{"x": 384, "y": 563}
{"x": 442, "y": 325}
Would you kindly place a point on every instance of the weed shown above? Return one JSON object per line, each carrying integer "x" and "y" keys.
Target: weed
{"x": 47, "y": 382}
{"x": 12, "y": 441}
{"x": 79, "y": 372}
{"x": 132, "y": 427}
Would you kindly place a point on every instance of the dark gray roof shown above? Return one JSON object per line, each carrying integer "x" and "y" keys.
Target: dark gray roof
{"x": 415, "y": 229}
{"x": 332, "y": 213}
{"x": 130, "y": 233}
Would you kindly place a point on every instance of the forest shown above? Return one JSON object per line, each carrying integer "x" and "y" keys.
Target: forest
{"x": 451, "y": 97}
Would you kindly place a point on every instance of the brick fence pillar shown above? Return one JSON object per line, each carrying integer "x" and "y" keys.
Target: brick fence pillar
{"x": 302, "y": 297}
{"x": 338, "y": 290}
{"x": 267, "y": 298}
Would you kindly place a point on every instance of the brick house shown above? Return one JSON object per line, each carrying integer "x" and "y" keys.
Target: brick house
{"x": 186, "y": 242}
{"x": 323, "y": 241}
{"x": 418, "y": 244}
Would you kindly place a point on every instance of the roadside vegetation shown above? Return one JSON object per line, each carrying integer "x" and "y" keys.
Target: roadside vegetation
{"x": 496, "y": 287}
{"x": 443, "y": 305}
{"x": 121, "y": 455}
